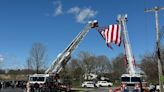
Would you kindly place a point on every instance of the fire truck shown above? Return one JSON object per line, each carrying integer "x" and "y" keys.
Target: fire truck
{"x": 132, "y": 79}
{"x": 50, "y": 80}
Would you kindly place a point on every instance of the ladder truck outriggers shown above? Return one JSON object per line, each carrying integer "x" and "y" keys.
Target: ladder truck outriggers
{"x": 132, "y": 78}
{"x": 51, "y": 77}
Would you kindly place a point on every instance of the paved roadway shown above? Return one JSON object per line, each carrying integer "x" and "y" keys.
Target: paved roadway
{"x": 12, "y": 90}
{"x": 101, "y": 89}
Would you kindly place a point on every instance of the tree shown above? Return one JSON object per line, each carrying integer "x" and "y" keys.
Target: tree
{"x": 30, "y": 67}
{"x": 37, "y": 57}
{"x": 162, "y": 56}
{"x": 76, "y": 69}
{"x": 150, "y": 66}
{"x": 103, "y": 64}
{"x": 87, "y": 62}
{"x": 118, "y": 66}
{"x": 76, "y": 72}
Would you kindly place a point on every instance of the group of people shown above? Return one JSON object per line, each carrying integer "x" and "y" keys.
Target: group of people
{"x": 137, "y": 88}
{"x": 12, "y": 84}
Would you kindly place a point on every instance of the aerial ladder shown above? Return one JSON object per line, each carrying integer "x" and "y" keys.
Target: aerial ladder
{"x": 132, "y": 77}
{"x": 59, "y": 63}
{"x": 127, "y": 47}
{"x": 51, "y": 74}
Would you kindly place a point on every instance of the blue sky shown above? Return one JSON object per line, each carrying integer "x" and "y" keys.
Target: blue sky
{"x": 55, "y": 23}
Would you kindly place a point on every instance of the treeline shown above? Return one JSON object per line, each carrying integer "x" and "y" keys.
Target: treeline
{"x": 87, "y": 63}
{"x": 19, "y": 71}
{"x": 112, "y": 69}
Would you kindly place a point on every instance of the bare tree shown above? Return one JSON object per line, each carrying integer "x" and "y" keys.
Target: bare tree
{"x": 149, "y": 66}
{"x": 37, "y": 57}
{"x": 119, "y": 66}
{"x": 162, "y": 56}
{"x": 87, "y": 62}
{"x": 76, "y": 69}
{"x": 103, "y": 64}
{"x": 29, "y": 64}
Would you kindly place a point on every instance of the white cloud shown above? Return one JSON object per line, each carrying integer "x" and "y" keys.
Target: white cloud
{"x": 74, "y": 10}
{"x": 82, "y": 15}
{"x": 85, "y": 14}
{"x": 1, "y": 58}
{"x": 58, "y": 10}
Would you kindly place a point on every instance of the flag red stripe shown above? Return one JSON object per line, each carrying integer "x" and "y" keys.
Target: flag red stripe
{"x": 117, "y": 35}
{"x": 112, "y": 33}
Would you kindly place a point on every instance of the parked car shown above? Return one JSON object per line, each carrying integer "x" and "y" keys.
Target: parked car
{"x": 158, "y": 88}
{"x": 104, "y": 84}
{"x": 88, "y": 84}
{"x": 152, "y": 88}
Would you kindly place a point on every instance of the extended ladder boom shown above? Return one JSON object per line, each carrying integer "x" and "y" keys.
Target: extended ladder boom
{"x": 64, "y": 57}
{"x": 127, "y": 47}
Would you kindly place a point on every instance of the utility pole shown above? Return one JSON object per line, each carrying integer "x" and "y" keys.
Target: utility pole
{"x": 156, "y": 10}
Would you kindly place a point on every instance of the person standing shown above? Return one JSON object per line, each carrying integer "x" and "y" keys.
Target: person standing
{"x": 27, "y": 87}
{"x": 0, "y": 86}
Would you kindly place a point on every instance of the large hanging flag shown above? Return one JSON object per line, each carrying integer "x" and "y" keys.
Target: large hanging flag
{"x": 111, "y": 34}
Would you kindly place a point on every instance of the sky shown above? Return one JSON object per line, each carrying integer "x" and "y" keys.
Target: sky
{"x": 55, "y": 23}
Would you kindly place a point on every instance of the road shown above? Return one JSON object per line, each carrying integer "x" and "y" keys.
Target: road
{"x": 102, "y": 89}
{"x": 12, "y": 90}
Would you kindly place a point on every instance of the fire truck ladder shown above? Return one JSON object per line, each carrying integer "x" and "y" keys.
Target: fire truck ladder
{"x": 127, "y": 47}
{"x": 61, "y": 60}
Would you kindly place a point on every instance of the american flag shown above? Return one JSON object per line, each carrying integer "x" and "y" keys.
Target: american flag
{"x": 111, "y": 34}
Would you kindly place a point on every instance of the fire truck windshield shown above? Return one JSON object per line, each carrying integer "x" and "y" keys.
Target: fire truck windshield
{"x": 37, "y": 78}
{"x": 135, "y": 79}
{"x": 125, "y": 79}
{"x": 131, "y": 79}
